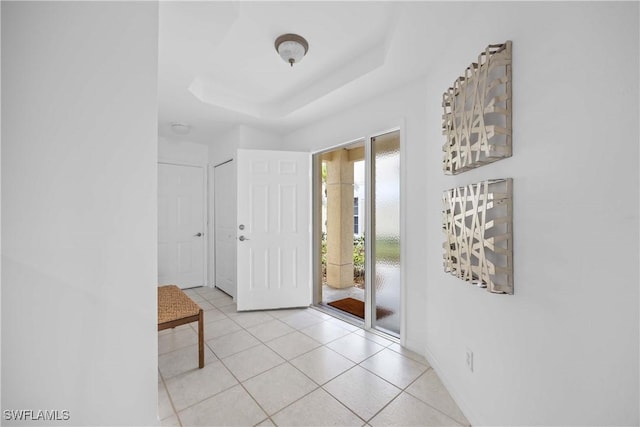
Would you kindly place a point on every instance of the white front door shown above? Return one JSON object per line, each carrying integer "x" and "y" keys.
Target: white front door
{"x": 181, "y": 225}
{"x": 273, "y": 229}
{"x": 224, "y": 206}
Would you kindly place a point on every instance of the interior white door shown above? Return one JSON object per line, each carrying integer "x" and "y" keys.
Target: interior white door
{"x": 273, "y": 229}
{"x": 181, "y": 225}
{"x": 224, "y": 181}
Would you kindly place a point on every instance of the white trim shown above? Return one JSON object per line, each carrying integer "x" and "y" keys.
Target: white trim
{"x": 362, "y": 139}
{"x": 205, "y": 218}
{"x": 205, "y": 222}
{"x": 316, "y": 228}
{"x": 403, "y": 233}
{"x": 369, "y": 296}
{"x": 211, "y": 261}
{"x": 221, "y": 163}
{"x": 311, "y": 230}
{"x": 179, "y": 163}
{"x": 212, "y": 220}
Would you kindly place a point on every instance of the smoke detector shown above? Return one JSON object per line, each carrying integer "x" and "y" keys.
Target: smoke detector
{"x": 180, "y": 128}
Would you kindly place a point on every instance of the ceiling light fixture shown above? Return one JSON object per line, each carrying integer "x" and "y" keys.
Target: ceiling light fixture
{"x": 180, "y": 128}
{"x": 291, "y": 48}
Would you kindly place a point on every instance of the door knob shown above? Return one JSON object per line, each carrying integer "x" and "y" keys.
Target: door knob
{"x": 242, "y": 238}
{"x": 198, "y": 235}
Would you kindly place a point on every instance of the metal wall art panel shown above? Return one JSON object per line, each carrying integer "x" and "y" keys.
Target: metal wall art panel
{"x": 477, "y": 112}
{"x": 477, "y": 222}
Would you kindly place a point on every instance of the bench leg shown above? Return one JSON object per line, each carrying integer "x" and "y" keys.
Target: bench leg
{"x": 200, "y": 340}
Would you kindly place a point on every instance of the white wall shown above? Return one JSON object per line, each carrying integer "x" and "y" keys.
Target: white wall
{"x": 404, "y": 108}
{"x": 223, "y": 147}
{"x": 564, "y": 348}
{"x": 259, "y": 139}
{"x": 79, "y": 209}
{"x": 179, "y": 150}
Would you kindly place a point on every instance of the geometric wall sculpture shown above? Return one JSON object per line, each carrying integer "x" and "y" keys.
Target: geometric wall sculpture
{"x": 477, "y": 112}
{"x": 477, "y": 222}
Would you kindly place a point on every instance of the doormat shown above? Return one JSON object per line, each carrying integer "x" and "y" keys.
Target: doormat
{"x": 356, "y": 307}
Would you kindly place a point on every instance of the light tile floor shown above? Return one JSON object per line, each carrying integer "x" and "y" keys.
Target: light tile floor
{"x": 296, "y": 367}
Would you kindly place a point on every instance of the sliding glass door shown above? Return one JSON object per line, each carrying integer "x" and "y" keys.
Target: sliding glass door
{"x": 385, "y": 229}
{"x": 357, "y": 231}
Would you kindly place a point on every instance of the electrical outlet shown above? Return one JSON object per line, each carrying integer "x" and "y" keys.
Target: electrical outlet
{"x": 470, "y": 360}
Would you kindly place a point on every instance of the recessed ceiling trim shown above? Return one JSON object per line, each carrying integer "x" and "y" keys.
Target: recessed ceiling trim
{"x": 298, "y": 97}
{"x": 369, "y": 61}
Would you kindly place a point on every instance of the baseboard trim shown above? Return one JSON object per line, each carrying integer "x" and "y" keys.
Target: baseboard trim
{"x": 455, "y": 394}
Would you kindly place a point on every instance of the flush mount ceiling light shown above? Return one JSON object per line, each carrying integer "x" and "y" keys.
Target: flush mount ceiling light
{"x": 180, "y": 128}
{"x": 291, "y": 48}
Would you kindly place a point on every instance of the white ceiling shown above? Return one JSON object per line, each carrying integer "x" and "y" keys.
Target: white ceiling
{"x": 218, "y": 66}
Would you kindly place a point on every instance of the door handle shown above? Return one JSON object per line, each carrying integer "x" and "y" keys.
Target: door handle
{"x": 198, "y": 235}
{"x": 242, "y": 238}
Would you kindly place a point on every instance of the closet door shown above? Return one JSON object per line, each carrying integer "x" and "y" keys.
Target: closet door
{"x": 181, "y": 225}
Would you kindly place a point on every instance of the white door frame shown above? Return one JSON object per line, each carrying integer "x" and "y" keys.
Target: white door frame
{"x": 211, "y": 262}
{"x": 211, "y": 244}
{"x": 205, "y": 222}
{"x": 316, "y": 231}
{"x": 401, "y": 127}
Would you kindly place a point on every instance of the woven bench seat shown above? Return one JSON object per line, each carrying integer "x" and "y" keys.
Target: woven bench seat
{"x": 175, "y": 308}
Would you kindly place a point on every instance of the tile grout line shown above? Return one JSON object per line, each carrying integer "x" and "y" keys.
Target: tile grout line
{"x": 427, "y": 403}
{"x": 288, "y": 361}
{"x": 241, "y": 382}
{"x": 292, "y": 365}
{"x": 247, "y": 391}
{"x": 231, "y": 354}
{"x": 321, "y": 386}
{"x": 211, "y": 396}
{"x": 215, "y": 394}
{"x": 373, "y": 373}
{"x": 298, "y": 355}
{"x": 402, "y": 390}
{"x": 236, "y": 378}
{"x": 206, "y": 398}
{"x": 336, "y": 397}
{"x": 166, "y": 390}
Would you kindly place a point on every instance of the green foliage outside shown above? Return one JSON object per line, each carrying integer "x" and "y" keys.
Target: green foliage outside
{"x": 358, "y": 259}
{"x": 323, "y": 253}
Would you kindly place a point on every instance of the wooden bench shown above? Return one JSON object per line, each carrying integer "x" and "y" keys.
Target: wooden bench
{"x": 175, "y": 308}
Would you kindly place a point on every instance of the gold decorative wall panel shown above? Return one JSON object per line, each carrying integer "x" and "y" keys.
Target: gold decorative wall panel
{"x": 477, "y": 112}
{"x": 477, "y": 222}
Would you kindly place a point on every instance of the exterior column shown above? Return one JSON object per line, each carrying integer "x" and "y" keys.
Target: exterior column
{"x": 340, "y": 220}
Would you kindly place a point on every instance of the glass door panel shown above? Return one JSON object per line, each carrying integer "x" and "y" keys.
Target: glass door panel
{"x": 385, "y": 277}
{"x": 340, "y": 208}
